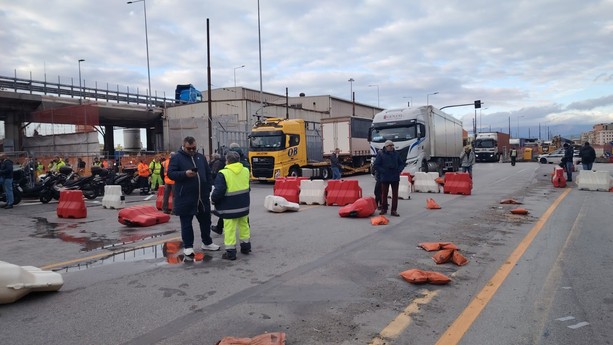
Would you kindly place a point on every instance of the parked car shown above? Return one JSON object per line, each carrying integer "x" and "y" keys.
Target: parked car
{"x": 556, "y": 157}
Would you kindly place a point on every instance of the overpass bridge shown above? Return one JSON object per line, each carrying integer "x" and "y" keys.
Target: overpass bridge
{"x": 23, "y": 101}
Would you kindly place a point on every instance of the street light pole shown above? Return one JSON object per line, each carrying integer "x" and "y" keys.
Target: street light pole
{"x": 80, "y": 88}
{"x": 409, "y": 102}
{"x": 428, "y": 97}
{"x": 147, "y": 47}
{"x": 235, "y": 68}
{"x": 351, "y": 80}
{"x": 378, "y": 106}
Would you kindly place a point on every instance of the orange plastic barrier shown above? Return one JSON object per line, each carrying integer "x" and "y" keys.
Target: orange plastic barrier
{"x": 71, "y": 204}
{"x": 274, "y": 338}
{"x": 288, "y": 188}
{"x": 558, "y": 179}
{"x": 159, "y": 201}
{"x": 342, "y": 192}
{"x": 142, "y": 215}
{"x": 361, "y": 208}
{"x": 415, "y": 276}
{"x": 458, "y": 183}
{"x": 431, "y": 204}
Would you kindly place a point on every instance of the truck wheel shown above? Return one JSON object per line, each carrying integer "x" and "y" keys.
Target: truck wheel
{"x": 326, "y": 173}
{"x": 424, "y": 166}
{"x": 294, "y": 172}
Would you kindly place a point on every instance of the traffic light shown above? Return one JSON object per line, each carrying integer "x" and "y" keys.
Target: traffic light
{"x": 477, "y": 104}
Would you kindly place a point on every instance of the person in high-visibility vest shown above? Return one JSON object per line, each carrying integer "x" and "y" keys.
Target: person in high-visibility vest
{"x": 168, "y": 184}
{"x": 155, "y": 168}
{"x": 143, "y": 177}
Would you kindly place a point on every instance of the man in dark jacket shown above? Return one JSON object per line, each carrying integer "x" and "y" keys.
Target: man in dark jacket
{"x": 231, "y": 200}
{"x": 6, "y": 179}
{"x": 388, "y": 166}
{"x": 588, "y": 156}
{"x": 568, "y": 161}
{"x": 192, "y": 175}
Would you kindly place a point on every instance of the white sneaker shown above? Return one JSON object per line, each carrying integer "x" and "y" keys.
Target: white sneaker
{"x": 188, "y": 251}
{"x": 211, "y": 246}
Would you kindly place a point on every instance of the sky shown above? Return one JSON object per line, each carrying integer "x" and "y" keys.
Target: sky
{"x": 532, "y": 63}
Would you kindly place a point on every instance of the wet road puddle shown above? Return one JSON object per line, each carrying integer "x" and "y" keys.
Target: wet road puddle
{"x": 76, "y": 233}
{"x": 171, "y": 252}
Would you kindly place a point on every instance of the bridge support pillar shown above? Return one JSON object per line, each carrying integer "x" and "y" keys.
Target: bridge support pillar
{"x": 109, "y": 142}
{"x": 12, "y": 133}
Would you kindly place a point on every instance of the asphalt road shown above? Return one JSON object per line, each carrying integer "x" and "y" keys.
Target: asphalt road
{"x": 543, "y": 278}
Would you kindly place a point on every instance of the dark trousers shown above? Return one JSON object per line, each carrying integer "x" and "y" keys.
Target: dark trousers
{"x": 167, "y": 192}
{"x": 378, "y": 193}
{"x": 204, "y": 219}
{"x": 513, "y": 160}
{"x": 385, "y": 187}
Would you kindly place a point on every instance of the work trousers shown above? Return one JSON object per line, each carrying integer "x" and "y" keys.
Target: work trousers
{"x": 385, "y": 187}
{"x": 229, "y": 228}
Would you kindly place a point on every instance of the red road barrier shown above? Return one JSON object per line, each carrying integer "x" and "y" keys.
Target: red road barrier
{"x": 458, "y": 183}
{"x": 342, "y": 192}
{"x": 361, "y": 208}
{"x": 288, "y": 188}
{"x": 142, "y": 215}
{"x": 71, "y": 204}
{"x": 159, "y": 201}
{"x": 558, "y": 179}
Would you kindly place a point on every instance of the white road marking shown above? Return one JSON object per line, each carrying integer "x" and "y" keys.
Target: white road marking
{"x": 580, "y": 324}
{"x": 566, "y": 318}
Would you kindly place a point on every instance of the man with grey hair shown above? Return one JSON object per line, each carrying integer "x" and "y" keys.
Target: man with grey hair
{"x": 231, "y": 200}
{"x": 6, "y": 179}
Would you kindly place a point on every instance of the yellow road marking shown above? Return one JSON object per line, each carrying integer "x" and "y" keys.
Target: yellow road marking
{"x": 402, "y": 321}
{"x": 105, "y": 254}
{"x": 460, "y": 326}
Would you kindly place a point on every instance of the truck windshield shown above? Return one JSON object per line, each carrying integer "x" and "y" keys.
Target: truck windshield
{"x": 267, "y": 142}
{"x": 380, "y": 135}
{"x": 485, "y": 144}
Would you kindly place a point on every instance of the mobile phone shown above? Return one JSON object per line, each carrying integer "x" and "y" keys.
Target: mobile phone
{"x": 195, "y": 170}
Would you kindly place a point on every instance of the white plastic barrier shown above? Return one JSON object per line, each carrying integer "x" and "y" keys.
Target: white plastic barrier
{"x": 18, "y": 281}
{"x": 594, "y": 180}
{"x": 404, "y": 188}
{"x": 113, "y": 197}
{"x": 312, "y": 192}
{"x": 278, "y": 204}
{"x": 425, "y": 182}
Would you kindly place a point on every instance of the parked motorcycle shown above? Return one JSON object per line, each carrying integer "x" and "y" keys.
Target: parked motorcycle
{"x": 85, "y": 184}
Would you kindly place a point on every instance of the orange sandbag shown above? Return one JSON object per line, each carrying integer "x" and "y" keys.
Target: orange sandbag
{"x": 379, "y": 220}
{"x": 276, "y": 338}
{"x": 458, "y": 258}
{"x": 519, "y": 211}
{"x": 443, "y": 256}
{"x": 431, "y": 204}
{"x": 439, "y": 180}
{"x": 437, "y": 278}
{"x": 510, "y": 201}
{"x": 414, "y": 276}
{"x": 432, "y": 246}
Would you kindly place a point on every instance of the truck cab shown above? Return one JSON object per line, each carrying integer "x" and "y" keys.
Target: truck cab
{"x": 277, "y": 148}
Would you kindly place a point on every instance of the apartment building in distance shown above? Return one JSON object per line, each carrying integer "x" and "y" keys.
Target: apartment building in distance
{"x": 600, "y": 134}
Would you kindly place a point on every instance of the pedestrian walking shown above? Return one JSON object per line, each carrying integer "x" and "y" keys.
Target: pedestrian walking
{"x": 467, "y": 160}
{"x": 168, "y": 184}
{"x": 335, "y": 165}
{"x": 513, "y": 156}
{"x": 389, "y": 165}
{"x": 155, "y": 169}
{"x": 588, "y": 156}
{"x": 192, "y": 175}
{"x": 231, "y": 200}
{"x": 6, "y": 179}
{"x": 569, "y": 152}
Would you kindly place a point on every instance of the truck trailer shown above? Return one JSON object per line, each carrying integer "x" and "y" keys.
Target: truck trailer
{"x": 426, "y": 138}
{"x": 492, "y": 146}
{"x": 294, "y": 147}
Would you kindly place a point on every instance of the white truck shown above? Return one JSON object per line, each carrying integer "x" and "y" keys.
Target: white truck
{"x": 426, "y": 138}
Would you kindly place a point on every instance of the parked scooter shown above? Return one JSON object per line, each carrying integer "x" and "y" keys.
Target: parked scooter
{"x": 85, "y": 184}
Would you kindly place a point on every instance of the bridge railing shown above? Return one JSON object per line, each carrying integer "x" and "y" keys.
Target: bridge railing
{"x": 74, "y": 91}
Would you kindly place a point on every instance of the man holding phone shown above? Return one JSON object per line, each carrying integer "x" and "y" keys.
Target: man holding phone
{"x": 192, "y": 175}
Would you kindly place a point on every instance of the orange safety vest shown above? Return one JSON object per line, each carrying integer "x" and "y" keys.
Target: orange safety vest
{"x": 143, "y": 169}
{"x": 167, "y": 179}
